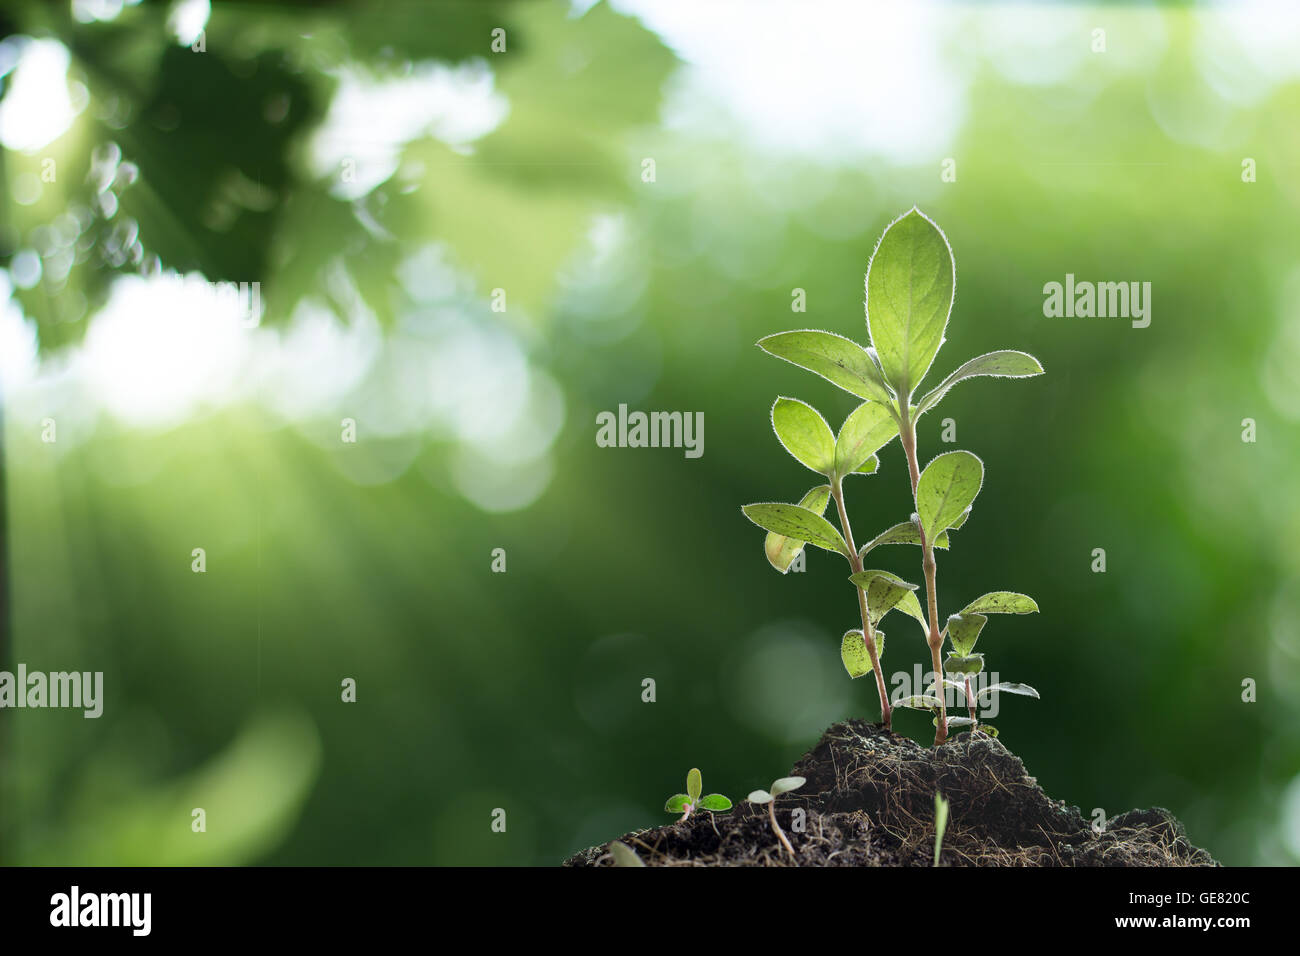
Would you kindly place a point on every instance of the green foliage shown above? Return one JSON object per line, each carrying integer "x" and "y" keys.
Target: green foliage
{"x": 780, "y": 549}
{"x": 968, "y": 665}
{"x": 905, "y": 532}
{"x": 964, "y": 630}
{"x": 910, "y": 606}
{"x": 1024, "y": 690}
{"x": 884, "y": 590}
{"x": 1001, "y": 602}
{"x": 919, "y": 702}
{"x": 910, "y": 282}
{"x": 796, "y": 522}
{"x": 853, "y": 652}
{"x": 868, "y": 428}
{"x": 838, "y": 360}
{"x": 1005, "y": 364}
{"x": 947, "y": 488}
{"x": 805, "y": 434}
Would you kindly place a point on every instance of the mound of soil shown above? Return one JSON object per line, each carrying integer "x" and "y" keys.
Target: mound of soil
{"x": 869, "y": 801}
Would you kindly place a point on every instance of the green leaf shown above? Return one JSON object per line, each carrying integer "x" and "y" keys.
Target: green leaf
{"x": 964, "y": 630}
{"x": 910, "y": 606}
{"x": 964, "y": 664}
{"x": 988, "y": 729}
{"x": 868, "y": 467}
{"x": 715, "y": 803}
{"x": 868, "y": 428}
{"x": 910, "y": 283}
{"x": 947, "y": 487}
{"x": 624, "y": 855}
{"x": 694, "y": 785}
{"x": 760, "y": 796}
{"x": 961, "y": 520}
{"x": 940, "y": 823}
{"x": 782, "y": 550}
{"x": 677, "y": 803}
{"x": 905, "y": 532}
{"x": 1005, "y": 364}
{"x": 840, "y": 361}
{"x": 786, "y": 784}
{"x": 1024, "y": 690}
{"x": 884, "y": 590}
{"x": 957, "y": 722}
{"x": 853, "y": 652}
{"x": 919, "y": 702}
{"x": 804, "y": 433}
{"x": 1002, "y": 602}
{"x": 796, "y": 522}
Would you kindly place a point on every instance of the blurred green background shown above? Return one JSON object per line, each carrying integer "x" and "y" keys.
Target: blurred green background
{"x": 381, "y": 169}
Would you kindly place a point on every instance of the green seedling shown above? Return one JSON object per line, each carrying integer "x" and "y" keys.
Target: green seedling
{"x": 940, "y": 824}
{"x": 783, "y": 785}
{"x": 624, "y": 855}
{"x": 690, "y": 801}
{"x": 910, "y": 285}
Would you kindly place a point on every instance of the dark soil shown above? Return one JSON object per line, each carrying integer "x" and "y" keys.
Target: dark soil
{"x": 869, "y": 801}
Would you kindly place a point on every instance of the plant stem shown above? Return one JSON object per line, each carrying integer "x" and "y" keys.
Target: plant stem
{"x": 868, "y": 633}
{"x": 907, "y": 435}
{"x": 970, "y": 704}
{"x": 776, "y": 827}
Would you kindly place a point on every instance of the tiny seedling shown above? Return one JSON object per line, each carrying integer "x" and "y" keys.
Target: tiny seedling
{"x": 624, "y": 855}
{"x": 690, "y": 801}
{"x": 940, "y": 824}
{"x": 910, "y": 284}
{"x": 783, "y": 785}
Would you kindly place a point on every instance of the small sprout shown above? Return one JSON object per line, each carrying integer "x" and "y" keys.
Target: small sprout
{"x": 783, "y": 785}
{"x": 624, "y": 855}
{"x": 690, "y": 801}
{"x": 940, "y": 822}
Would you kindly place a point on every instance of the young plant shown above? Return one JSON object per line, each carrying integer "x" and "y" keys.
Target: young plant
{"x": 783, "y": 785}
{"x": 690, "y": 801}
{"x": 910, "y": 284}
{"x": 940, "y": 823}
